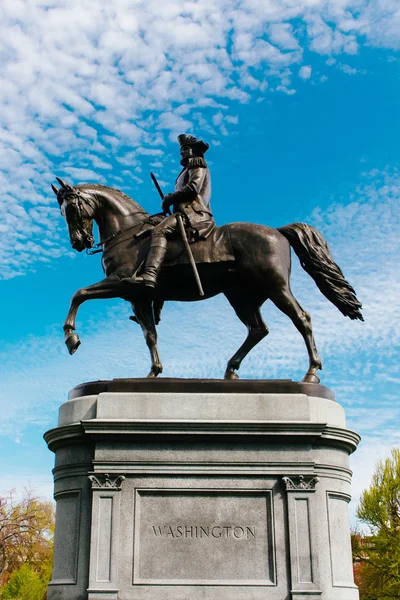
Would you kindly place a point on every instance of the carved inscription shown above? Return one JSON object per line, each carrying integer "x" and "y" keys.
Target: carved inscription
{"x": 196, "y": 537}
{"x": 236, "y": 532}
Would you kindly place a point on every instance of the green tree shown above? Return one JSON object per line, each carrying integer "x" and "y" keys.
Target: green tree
{"x": 26, "y": 535}
{"x": 24, "y": 584}
{"x": 378, "y": 554}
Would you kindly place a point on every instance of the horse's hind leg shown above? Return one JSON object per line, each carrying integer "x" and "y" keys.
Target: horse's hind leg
{"x": 287, "y": 303}
{"x": 257, "y": 330}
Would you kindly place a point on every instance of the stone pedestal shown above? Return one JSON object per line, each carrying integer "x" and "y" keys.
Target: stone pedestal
{"x": 211, "y": 490}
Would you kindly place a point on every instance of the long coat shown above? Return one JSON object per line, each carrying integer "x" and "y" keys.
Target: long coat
{"x": 192, "y": 197}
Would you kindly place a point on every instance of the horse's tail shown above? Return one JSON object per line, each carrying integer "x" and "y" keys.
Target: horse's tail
{"x": 316, "y": 259}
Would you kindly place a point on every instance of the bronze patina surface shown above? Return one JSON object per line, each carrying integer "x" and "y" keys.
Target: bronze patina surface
{"x": 246, "y": 262}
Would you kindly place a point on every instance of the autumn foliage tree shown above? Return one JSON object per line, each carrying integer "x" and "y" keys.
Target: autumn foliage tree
{"x": 378, "y": 554}
{"x": 26, "y": 540}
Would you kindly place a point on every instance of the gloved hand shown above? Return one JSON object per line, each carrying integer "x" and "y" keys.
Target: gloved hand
{"x": 166, "y": 203}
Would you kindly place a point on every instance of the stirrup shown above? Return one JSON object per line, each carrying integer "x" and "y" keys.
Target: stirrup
{"x": 146, "y": 280}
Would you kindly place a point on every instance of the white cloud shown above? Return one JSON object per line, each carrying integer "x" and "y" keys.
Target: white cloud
{"x": 305, "y": 72}
{"x": 174, "y": 123}
{"x": 85, "y": 81}
{"x": 348, "y": 69}
{"x": 83, "y": 174}
{"x": 282, "y": 35}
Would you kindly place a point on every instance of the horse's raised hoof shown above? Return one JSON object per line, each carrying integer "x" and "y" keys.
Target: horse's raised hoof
{"x": 73, "y": 342}
{"x": 231, "y": 375}
{"x": 311, "y": 378}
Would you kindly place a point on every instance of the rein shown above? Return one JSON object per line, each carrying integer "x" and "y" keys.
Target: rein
{"x": 149, "y": 220}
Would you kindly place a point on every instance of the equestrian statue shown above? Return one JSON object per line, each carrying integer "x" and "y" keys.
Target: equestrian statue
{"x": 182, "y": 256}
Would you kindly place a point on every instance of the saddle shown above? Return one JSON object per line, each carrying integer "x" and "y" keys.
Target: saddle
{"x": 215, "y": 248}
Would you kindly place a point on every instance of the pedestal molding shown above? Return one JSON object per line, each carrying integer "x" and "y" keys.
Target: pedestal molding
{"x": 201, "y": 427}
{"x": 95, "y": 427}
{"x": 71, "y": 470}
{"x": 322, "y": 431}
{"x": 59, "y": 436}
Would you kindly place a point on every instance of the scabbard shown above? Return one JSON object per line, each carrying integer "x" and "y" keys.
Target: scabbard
{"x": 184, "y": 238}
{"x": 182, "y": 230}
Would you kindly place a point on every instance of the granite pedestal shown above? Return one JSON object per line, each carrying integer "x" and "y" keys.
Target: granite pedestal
{"x": 211, "y": 490}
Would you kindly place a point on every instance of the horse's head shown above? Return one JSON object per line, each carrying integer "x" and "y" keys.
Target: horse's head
{"x": 77, "y": 208}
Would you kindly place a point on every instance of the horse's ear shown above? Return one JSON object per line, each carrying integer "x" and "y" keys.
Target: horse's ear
{"x": 63, "y": 184}
{"x": 55, "y": 190}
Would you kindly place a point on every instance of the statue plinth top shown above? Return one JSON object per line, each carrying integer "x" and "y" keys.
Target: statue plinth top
{"x": 202, "y": 386}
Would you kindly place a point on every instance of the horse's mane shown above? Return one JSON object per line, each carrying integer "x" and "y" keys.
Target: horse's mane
{"x": 106, "y": 188}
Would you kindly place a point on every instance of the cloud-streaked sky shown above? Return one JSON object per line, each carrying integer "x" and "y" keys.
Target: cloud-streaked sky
{"x": 299, "y": 102}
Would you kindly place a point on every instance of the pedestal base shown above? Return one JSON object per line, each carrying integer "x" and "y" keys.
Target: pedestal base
{"x": 206, "y": 490}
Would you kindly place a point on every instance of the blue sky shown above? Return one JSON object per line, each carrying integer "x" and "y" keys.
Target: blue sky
{"x": 299, "y": 102}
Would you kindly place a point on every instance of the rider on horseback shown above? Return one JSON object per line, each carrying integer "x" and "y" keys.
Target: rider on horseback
{"x": 191, "y": 198}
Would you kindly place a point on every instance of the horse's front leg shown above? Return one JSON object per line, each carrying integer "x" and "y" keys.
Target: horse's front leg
{"x": 107, "y": 288}
{"x": 143, "y": 310}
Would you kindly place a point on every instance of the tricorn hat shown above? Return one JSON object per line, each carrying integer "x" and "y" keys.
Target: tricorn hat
{"x": 189, "y": 140}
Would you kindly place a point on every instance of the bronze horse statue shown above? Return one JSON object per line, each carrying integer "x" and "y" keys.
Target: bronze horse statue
{"x": 260, "y": 270}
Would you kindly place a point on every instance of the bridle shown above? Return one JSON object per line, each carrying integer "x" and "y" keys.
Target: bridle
{"x": 104, "y": 245}
{"x": 70, "y": 194}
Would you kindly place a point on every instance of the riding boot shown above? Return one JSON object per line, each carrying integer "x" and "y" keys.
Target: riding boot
{"x": 154, "y": 261}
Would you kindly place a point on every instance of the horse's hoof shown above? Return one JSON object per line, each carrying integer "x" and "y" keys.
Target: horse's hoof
{"x": 311, "y": 378}
{"x": 154, "y": 373}
{"x": 73, "y": 342}
{"x": 231, "y": 375}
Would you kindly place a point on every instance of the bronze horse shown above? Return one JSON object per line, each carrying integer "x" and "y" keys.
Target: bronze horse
{"x": 260, "y": 271}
